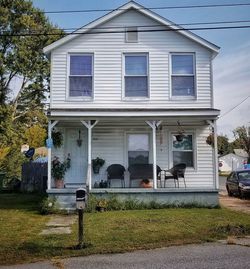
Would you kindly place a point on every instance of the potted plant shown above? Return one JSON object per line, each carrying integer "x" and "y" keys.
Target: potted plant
{"x": 102, "y": 205}
{"x": 59, "y": 169}
{"x": 210, "y": 140}
{"x": 97, "y": 163}
{"x": 181, "y": 133}
{"x": 179, "y": 137}
{"x": 57, "y": 139}
{"x": 146, "y": 183}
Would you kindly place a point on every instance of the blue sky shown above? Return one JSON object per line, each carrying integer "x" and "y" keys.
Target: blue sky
{"x": 231, "y": 66}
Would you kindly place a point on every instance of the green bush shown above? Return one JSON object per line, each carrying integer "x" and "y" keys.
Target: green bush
{"x": 91, "y": 203}
{"x": 49, "y": 205}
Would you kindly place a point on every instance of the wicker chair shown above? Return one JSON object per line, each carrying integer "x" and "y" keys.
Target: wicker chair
{"x": 175, "y": 173}
{"x": 115, "y": 171}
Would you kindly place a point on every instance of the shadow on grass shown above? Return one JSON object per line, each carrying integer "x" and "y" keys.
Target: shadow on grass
{"x": 20, "y": 201}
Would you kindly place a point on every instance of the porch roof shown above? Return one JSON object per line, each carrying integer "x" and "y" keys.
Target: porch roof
{"x": 208, "y": 113}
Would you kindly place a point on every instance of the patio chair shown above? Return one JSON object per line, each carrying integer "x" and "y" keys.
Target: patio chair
{"x": 175, "y": 173}
{"x": 115, "y": 171}
{"x": 142, "y": 171}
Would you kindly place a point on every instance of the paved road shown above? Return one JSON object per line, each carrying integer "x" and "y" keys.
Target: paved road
{"x": 212, "y": 255}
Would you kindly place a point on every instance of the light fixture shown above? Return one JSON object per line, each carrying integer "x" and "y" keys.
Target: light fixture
{"x": 79, "y": 140}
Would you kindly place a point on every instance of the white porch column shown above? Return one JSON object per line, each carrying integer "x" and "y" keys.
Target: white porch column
{"x": 51, "y": 125}
{"x": 154, "y": 125}
{"x": 89, "y": 126}
{"x": 216, "y": 155}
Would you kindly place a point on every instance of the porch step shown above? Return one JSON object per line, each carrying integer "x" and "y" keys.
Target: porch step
{"x": 74, "y": 185}
{"x": 66, "y": 197}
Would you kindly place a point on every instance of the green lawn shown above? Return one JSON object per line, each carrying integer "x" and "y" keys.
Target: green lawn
{"x": 109, "y": 232}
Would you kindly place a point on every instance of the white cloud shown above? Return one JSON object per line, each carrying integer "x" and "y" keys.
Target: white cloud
{"x": 232, "y": 86}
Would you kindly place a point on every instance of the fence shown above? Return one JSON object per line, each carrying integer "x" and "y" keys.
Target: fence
{"x": 34, "y": 177}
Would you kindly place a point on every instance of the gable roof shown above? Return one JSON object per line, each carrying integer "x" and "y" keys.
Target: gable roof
{"x": 130, "y": 6}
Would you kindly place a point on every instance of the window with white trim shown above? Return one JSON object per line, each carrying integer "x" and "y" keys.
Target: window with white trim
{"x": 131, "y": 35}
{"x": 183, "y": 151}
{"x": 138, "y": 149}
{"x": 183, "y": 74}
{"x": 81, "y": 75}
{"x": 136, "y": 75}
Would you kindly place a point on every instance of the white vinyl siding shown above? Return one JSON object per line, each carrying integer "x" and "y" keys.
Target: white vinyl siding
{"x": 108, "y": 50}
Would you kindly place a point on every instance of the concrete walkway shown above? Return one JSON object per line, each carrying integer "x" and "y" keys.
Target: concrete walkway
{"x": 60, "y": 224}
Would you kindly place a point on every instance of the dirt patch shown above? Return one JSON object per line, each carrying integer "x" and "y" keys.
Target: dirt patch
{"x": 234, "y": 203}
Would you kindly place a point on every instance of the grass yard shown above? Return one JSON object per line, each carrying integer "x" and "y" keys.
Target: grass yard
{"x": 109, "y": 232}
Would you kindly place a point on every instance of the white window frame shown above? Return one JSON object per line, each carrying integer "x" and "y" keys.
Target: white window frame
{"x": 142, "y": 132}
{"x": 183, "y": 97}
{"x": 79, "y": 98}
{"x": 134, "y": 98}
{"x": 171, "y": 149}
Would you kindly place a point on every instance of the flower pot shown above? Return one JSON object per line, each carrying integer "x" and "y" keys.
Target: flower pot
{"x": 100, "y": 209}
{"x": 96, "y": 169}
{"x": 146, "y": 184}
{"x": 59, "y": 183}
{"x": 179, "y": 137}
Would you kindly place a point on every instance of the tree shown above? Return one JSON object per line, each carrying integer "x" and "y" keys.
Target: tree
{"x": 223, "y": 144}
{"x": 35, "y": 136}
{"x": 21, "y": 54}
{"x": 25, "y": 30}
{"x": 242, "y": 135}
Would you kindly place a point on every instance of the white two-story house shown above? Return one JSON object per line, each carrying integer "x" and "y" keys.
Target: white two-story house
{"x": 125, "y": 85}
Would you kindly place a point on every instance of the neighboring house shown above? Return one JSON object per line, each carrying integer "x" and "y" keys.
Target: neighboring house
{"x": 125, "y": 84}
{"x": 233, "y": 161}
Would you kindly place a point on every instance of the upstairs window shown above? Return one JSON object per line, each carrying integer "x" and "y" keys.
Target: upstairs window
{"x": 183, "y": 75}
{"x": 131, "y": 35}
{"x": 81, "y": 75}
{"x": 136, "y": 75}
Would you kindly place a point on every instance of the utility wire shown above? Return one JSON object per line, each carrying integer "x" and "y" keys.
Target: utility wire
{"x": 234, "y": 107}
{"x": 143, "y": 26}
{"x": 125, "y": 31}
{"x": 151, "y": 8}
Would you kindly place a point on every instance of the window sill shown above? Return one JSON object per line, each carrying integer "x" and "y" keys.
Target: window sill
{"x": 183, "y": 98}
{"x": 135, "y": 99}
{"x": 80, "y": 99}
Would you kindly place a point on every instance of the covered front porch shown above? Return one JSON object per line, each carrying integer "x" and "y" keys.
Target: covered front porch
{"x": 143, "y": 139}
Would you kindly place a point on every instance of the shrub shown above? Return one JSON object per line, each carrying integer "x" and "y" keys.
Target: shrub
{"x": 49, "y": 205}
{"x": 91, "y": 203}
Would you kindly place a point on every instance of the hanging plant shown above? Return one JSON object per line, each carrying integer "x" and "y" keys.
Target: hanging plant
{"x": 97, "y": 163}
{"x": 181, "y": 133}
{"x": 57, "y": 138}
{"x": 210, "y": 140}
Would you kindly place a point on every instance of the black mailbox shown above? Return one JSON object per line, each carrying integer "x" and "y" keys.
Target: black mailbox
{"x": 81, "y": 197}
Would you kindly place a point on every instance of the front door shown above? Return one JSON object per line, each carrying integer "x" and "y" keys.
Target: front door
{"x": 77, "y": 173}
